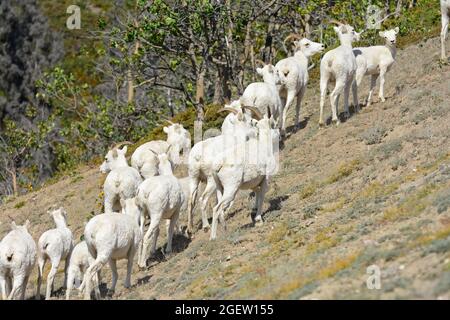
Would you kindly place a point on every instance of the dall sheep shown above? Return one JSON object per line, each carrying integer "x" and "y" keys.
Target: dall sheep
{"x": 17, "y": 260}
{"x": 340, "y": 65}
{"x": 445, "y": 12}
{"x": 264, "y": 95}
{"x": 376, "y": 61}
{"x": 248, "y": 166}
{"x": 80, "y": 260}
{"x": 122, "y": 180}
{"x": 110, "y": 237}
{"x": 55, "y": 245}
{"x": 159, "y": 197}
{"x": 293, "y": 72}
{"x": 236, "y": 120}
{"x": 201, "y": 160}
{"x": 144, "y": 159}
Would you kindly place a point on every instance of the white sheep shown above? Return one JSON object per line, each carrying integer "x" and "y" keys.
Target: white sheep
{"x": 159, "y": 197}
{"x": 17, "y": 260}
{"x": 201, "y": 160}
{"x": 247, "y": 167}
{"x": 340, "y": 65}
{"x": 376, "y": 61}
{"x": 445, "y": 12}
{"x": 264, "y": 95}
{"x": 144, "y": 159}
{"x": 293, "y": 72}
{"x": 55, "y": 245}
{"x": 110, "y": 237}
{"x": 237, "y": 119}
{"x": 122, "y": 180}
{"x": 80, "y": 260}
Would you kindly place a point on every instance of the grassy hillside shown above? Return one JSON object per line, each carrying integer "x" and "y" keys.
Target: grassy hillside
{"x": 374, "y": 190}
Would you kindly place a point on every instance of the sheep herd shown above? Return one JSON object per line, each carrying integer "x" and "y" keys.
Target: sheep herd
{"x": 243, "y": 157}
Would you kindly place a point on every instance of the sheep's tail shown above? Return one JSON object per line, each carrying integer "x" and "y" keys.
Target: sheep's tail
{"x": 117, "y": 183}
{"x": 9, "y": 255}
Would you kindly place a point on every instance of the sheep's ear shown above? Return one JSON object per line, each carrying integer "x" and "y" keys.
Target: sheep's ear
{"x": 122, "y": 204}
{"x": 27, "y": 224}
{"x": 336, "y": 29}
{"x": 166, "y": 130}
{"x": 259, "y": 71}
{"x": 397, "y": 30}
{"x": 13, "y": 225}
{"x": 114, "y": 153}
{"x": 344, "y": 30}
{"x": 381, "y": 34}
{"x": 124, "y": 150}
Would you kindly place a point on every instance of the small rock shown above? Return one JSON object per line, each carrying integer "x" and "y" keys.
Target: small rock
{"x": 228, "y": 258}
{"x": 401, "y": 267}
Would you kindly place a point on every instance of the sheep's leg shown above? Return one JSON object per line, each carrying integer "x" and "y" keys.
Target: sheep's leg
{"x": 51, "y": 278}
{"x": 131, "y": 253}
{"x": 323, "y": 93}
{"x": 334, "y": 99}
{"x": 97, "y": 285}
{"x": 373, "y": 82}
{"x": 24, "y": 287}
{"x": 346, "y": 99}
{"x": 444, "y": 33}
{"x": 193, "y": 188}
{"x": 260, "y": 200}
{"x": 298, "y": 106}
{"x": 173, "y": 222}
{"x": 355, "y": 95}
{"x": 382, "y": 81}
{"x": 204, "y": 199}
{"x": 17, "y": 285}
{"x": 66, "y": 268}
{"x": 91, "y": 271}
{"x": 289, "y": 102}
{"x": 70, "y": 280}
{"x": 41, "y": 265}
{"x": 115, "y": 275}
{"x": 8, "y": 286}
{"x": 221, "y": 208}
{"x": 150, "y": 235}
{"x": 3, "y": 287}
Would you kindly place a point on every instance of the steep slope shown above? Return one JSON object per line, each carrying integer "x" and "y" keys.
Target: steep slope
{"x": 373, "y": 191}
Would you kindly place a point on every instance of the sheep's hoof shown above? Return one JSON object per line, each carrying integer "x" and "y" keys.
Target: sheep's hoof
{"x": 336, "y": 122}
{"x": 321, "y": 125}
{"x": 347, "y": 115}
{"x": 205, "y": 228}
{"x": 383, "y": 100}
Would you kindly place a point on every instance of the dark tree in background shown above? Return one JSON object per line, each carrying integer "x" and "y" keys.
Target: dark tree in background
{"x": 27, "y": 48}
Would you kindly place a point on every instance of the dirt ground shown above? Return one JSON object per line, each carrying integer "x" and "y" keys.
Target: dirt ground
{"x": 374, "y": 191}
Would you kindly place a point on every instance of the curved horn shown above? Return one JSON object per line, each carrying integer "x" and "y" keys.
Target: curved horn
{"x": 120, "y": 144}
{"x": 334, "y": 21}
{"x": 256, "y": 113}
{"x": 228, "y": 109}
{"x": 260, "y": 62}
{"x": 292, "y": 36}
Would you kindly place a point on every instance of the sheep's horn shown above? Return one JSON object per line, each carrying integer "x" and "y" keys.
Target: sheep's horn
{"x": 232, "y": 110}
{"x": 256, "y": 113}
{"x": 120, "y": 144}
{"x": 292, "y": 36}
{"x": 334, "y": 21}
{"x": 260, "y": 62}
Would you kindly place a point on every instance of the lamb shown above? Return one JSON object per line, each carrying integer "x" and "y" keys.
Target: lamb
{"x": 376, "y": 61}
{"x": 144, "y": 159}
{"x": 110, "y": 237}
{"x": 159, "y": 197}
{"x": 293, "y": 72}
{"x": 80, "y": 260}
{"x": 200, "y": 162}
{"x": 445, "y": 12}
{"x": 17, "y": 260}
{"x": 339, "y": 64}
{"x": 264, "y": 95}
{"x": 55, "y": 245}
{"x": 122, "y": 180}
{"x": 248, "y": 166}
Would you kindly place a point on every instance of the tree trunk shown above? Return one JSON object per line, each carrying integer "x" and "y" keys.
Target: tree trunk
{"x": 130, "y": 98}
{"x": 13, "y": 174}
{"x": 398, "y": 9}
{"x": 200, "y": 94}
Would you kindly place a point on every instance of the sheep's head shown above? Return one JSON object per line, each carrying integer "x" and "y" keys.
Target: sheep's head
{"x": 131, "y": 208}
{"x": 269, "y": 74}
{"x": 179, "y": 139}
{"x": 238, "y": 123}
{"x": 346, "y": 33}
{"x": 308, "y": 47}
{"x": 390, "y": 36}
{"x": 58, "y": 215}
{"x": 23, "y": 228}
{"x": 164, "y": 165}
{"x": 114, "y": 158}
